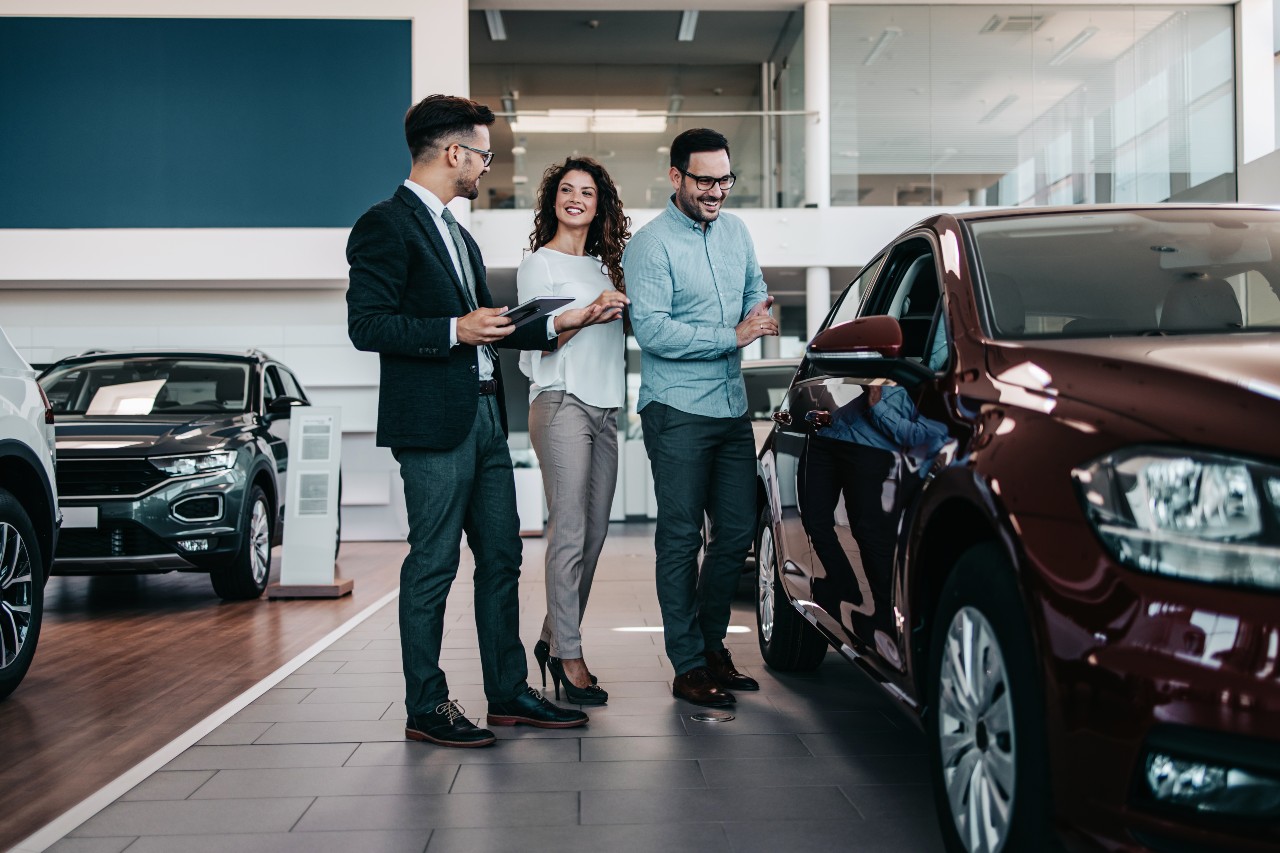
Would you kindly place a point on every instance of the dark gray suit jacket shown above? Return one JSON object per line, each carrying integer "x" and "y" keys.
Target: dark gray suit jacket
{"x": 403, "y": 291}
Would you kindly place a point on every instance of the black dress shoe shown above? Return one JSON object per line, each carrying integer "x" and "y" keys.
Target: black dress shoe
{"x": 531, "y": 708}
{"x": 447, "y": 725}
{"x": 726, "y": 674}
{"x": 699, "y": 686}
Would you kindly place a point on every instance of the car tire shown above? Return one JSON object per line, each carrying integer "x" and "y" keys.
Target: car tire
{"x": 988, "y": 759}
{"x": 787, "y": 642}
{"x": 21, "y": 593}
{"x": 245, "y": 575}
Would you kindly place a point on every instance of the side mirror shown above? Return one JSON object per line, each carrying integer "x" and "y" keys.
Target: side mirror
{"x": 866, "y": 348}
{"x": 283, "y": 405}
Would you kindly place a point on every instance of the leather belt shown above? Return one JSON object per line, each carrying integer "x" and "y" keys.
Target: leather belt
{"x": 488, "y": 386}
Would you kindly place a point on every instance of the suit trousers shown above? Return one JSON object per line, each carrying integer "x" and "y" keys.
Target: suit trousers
{"x": 702, "y": 468}
{"x": 468, "y": 488}
{"x": 577, "y": 447}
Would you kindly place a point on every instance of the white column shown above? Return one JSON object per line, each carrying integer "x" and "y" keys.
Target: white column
{"x": 771, "y": 347}
{"x": 1255, "y": 80}
{"x": 817, "y": 102}
{"x": 817, "y": 298}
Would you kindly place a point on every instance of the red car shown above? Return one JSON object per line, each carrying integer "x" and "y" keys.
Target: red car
{"x": 1028, "y": 478}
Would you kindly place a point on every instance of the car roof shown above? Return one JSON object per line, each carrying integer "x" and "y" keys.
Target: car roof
{"x": 252, "y": 355}
{"x": 1019, "y": 212}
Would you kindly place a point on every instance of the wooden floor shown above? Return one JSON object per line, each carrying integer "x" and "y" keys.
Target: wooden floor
{"x": 126, "y": 664}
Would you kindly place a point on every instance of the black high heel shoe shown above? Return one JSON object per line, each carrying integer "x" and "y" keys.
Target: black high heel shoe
{"x": 591, "y": 695}
{"x": 542, "y": 653}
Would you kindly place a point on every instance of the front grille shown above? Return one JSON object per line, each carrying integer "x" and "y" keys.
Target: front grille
{"x": 115, "y": 539}
{"x": 123, "y": 477}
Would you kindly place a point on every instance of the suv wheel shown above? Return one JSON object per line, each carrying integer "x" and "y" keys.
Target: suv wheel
{"x": 987, "y": 733}
{"x": 21, "y": 592}
{"x": 245, "y": 576}
{"x": 787, "y": 642}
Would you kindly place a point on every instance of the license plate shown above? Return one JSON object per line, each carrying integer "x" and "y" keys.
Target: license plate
{"x": 79, "y": 516}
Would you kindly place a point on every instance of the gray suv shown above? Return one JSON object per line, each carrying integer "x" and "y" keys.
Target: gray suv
{"x": 173, "y": 461}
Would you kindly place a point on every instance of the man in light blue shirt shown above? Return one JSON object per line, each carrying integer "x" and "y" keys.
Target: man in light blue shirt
{"x": 697, "y": 298}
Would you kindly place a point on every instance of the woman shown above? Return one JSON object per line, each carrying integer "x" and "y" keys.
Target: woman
{"x": 578, "y": 234}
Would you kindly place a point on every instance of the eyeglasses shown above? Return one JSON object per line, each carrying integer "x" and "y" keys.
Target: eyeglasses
{"x": 487, "y": 155}
{"x": 704, "y": 182}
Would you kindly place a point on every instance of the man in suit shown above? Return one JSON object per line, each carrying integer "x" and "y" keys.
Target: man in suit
{"x": 418, "y": 297}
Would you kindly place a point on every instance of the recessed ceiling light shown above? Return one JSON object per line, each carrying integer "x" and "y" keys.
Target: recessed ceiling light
{"x": 688, "y": 24}
{"x": 497, "y": 31}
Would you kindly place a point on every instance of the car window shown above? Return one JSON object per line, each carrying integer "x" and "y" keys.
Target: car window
{"x": 1129, "y": 272}
{"x": 143, "y": 386}
{"x": 909, "y": 291}
{"x": 291, "y": 384}
{"x": 847, "y": 308}
{"x": 272, "y": 385}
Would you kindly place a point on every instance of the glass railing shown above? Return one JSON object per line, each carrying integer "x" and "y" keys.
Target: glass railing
{"x": 634, "y": 146}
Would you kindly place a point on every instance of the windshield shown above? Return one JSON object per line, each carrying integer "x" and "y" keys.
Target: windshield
{"x": 148, "y": 386}
{"x": 1122, "y": 273}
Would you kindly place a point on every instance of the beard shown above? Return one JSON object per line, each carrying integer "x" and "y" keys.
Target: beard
{"x": 688, "y": 203}
{"x": 468, "y": 188}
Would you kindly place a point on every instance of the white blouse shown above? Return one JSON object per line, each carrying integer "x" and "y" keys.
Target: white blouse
{"x": 591, "y": 365}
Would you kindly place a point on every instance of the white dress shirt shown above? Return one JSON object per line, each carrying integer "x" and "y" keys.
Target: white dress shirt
{"x": 436, "y": 206}
{"x": 591, "y": 366}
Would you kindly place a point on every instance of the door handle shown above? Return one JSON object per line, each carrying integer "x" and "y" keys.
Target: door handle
{"x": 818, "y": 418}
{"x": 782, "y": 418}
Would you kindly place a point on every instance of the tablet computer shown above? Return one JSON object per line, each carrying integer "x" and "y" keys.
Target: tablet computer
{"x": 538, "y": 306}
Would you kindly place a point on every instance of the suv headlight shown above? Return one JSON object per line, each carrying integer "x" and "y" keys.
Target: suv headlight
{"x": 1188, "y": 514}
{"x": 183, "y": 466}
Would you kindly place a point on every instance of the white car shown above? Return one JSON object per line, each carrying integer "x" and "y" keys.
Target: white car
{"x": 29, "y": 514}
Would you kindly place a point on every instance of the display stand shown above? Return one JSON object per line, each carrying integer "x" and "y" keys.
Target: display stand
{"x": 312, "y": 488}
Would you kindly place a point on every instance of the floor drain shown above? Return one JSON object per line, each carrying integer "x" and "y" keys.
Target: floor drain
{"x": 711, "y": 717}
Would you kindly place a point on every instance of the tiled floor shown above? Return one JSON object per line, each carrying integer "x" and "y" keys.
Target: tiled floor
{"x": 815, "y": 762}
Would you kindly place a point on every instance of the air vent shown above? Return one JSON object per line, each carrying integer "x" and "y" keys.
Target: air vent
{"x": 1023, "y": 23}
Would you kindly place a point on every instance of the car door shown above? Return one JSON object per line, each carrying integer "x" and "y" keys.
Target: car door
{"x": 807, "y": 393}
{"x": 865, "y": 463}
{"x": 273, "y": 386}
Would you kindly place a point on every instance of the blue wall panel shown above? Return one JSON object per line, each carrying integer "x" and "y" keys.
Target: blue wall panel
{"x": 173, "y": 123}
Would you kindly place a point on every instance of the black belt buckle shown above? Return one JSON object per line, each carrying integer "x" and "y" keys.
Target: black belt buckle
{"x": 488, "y": 386}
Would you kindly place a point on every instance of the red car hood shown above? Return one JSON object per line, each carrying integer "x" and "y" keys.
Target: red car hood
{"x": 1207, "y": 390}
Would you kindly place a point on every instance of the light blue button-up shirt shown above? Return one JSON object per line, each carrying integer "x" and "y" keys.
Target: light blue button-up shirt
{"x": 689, "y": 289}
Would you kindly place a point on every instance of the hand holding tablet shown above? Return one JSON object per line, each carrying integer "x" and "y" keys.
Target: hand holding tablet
{"x": 538, "y": 306}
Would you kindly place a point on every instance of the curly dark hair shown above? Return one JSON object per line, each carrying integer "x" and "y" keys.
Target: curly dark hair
{"x": 608, "y": 232}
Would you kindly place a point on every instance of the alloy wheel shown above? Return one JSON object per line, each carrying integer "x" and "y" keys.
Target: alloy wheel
{"x": 976, "y": 733}
{"x": 260, "y": 542}
{"x": 16, "y": 591}
{"x": 765, "y": 573}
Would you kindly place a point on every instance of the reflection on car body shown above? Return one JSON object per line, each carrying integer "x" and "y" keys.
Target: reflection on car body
{"x": 1026, "y": 478}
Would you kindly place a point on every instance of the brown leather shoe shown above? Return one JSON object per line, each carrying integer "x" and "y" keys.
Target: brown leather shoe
{"x": 699, "y": 687}
{"x": 720, "y": 663}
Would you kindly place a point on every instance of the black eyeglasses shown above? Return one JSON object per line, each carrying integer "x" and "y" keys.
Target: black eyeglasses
{"x": 704, "y": 182}
{"x": 487, "y": 155}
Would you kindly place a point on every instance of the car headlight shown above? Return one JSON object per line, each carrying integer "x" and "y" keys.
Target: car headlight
{"x": 183, "y": 466}
{"x": 1188, "y": 514}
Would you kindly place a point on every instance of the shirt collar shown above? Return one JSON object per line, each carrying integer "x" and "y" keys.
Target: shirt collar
{"x": 433, "y": 204}
{"x": 681, "y": 218}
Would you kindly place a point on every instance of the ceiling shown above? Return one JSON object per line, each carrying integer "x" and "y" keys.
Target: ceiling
{"x": 627, "y": 38}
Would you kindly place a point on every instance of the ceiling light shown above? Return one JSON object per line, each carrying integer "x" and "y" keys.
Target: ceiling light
{"x": 993, "y": 23}
{"x": 998, "y": 108}
{"x": 688, "y": 23}
{"x": 885, "y": 39}
{"x": 1070, "y": 47}
{"x": 497, "y": 32}
{"x": 589, "y": 121}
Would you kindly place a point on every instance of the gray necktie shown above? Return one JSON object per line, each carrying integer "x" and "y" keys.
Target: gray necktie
{"x": 464, "y": 257}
